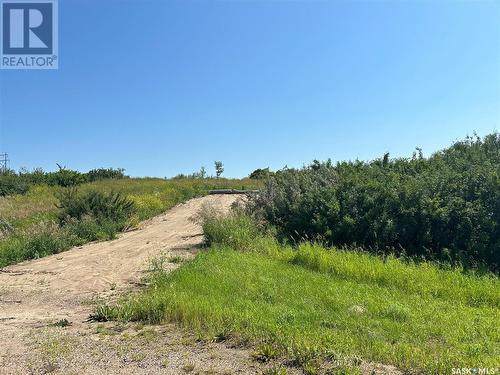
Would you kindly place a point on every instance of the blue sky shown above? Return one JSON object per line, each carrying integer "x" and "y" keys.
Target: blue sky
{"x": 164, "y": 87}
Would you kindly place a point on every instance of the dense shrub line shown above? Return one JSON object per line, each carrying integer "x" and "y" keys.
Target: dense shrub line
{"x": 19, "y": 183}
{"x": 445, "y": 207}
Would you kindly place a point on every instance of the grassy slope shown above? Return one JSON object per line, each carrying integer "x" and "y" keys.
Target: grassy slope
{"x": 33, "y": 215}
{"x": 311, "y": 305}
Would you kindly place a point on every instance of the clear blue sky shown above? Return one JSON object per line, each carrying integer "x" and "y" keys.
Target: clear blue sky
{"x": 163, "y": 87}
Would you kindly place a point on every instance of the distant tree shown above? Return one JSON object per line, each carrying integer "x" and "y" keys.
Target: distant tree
{"x": 385, "y": 161}
{"x": 65, "y": 177}
{"x": 203, "y": 172}
{"x": 219, "y": 168}
{"x": 104, "y": 173}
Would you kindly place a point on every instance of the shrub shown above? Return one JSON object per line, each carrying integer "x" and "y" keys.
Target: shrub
{"x": 446, "y": 207}
{"x": 65, "y": 177}
{"x": 10, "y": 184}
{"x": 106, "y": 209}
{"x": 35, "y": 177}
{"x": 260, "y": 174}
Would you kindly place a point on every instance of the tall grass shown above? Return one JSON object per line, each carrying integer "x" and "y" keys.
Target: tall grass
{"x": 425, "y": 278}
{"x": 314, "y": 305}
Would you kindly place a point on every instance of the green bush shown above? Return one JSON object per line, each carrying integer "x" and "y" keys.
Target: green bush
{"x": 445, "y": 207}
{"x": 260, "y": 174}
{"x": 19, "y": 183}
{"x": 65, "y": 177}
{"x": 105, "y": 208}
{"x": 11, "y": 184}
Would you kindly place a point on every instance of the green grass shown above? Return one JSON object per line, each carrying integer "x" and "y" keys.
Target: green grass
{"x": 33, "y": 216}
{"x": 313, "y": 305}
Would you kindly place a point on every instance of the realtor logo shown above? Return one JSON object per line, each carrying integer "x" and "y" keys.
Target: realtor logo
{"x": 28, "y": 34}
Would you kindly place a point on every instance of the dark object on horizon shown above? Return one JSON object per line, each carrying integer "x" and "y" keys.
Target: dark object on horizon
{"x": 232, "y": 191}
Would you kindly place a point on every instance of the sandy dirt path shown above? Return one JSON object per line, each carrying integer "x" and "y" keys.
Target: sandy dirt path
{"x": 35, "y": 294}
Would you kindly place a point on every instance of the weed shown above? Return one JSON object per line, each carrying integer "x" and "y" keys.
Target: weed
{"x": 187, "y": 368}
{"x": 176, "y": 259}
{"x": 138, "y": 357}
{"x": 62, "y": 323}
{"x": 275, "y": 370}
{"x": 265, "y": 353}
{"x": 102, "y": 313}
{"x": 157, "y": 264}
{"x": 52, "y": 349}
{"x": 104, "y": 331}
{"x": 311, "y": 368}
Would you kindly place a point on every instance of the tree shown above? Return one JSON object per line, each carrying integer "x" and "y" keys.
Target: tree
{"x": 219, "y": 168}
{"x": 203, "y": 172}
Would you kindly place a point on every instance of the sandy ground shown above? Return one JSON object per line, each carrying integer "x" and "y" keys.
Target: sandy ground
{"x": 36, "y": 294}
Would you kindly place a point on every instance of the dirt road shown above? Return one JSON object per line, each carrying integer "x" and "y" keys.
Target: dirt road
{"x": 36, "y": 294}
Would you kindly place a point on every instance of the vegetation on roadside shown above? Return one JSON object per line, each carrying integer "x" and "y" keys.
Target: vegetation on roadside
{"x": 50, "y": 219}
{"x": 444, "y": 208}
{"x": 318, "y": 306}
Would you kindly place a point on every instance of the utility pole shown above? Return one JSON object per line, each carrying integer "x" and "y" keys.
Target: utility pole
{"x": 4, "y": 162}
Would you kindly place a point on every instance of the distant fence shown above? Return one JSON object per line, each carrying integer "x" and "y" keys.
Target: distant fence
{"x": 232, "y": 191}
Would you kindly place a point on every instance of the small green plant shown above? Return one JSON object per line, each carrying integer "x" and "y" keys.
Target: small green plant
{"x": 265, "y": 353}
{"x": 274, "y": 370}
{"x": 102, "y": 313}
{"x": 157, "y": 264}
{"x": 176, "y": 259}
{"x": 62, "y": 323}
{"x": 311, "y": 368}
{"x": 104, "y": 331}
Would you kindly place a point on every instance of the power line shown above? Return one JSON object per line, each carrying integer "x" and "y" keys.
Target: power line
{"x": 4, "y": 162}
